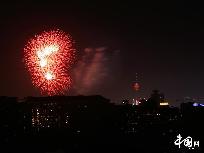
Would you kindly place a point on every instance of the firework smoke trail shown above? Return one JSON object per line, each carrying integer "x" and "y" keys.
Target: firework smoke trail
{"x": 48, "y": 57}
{"x": 94, "y": 70}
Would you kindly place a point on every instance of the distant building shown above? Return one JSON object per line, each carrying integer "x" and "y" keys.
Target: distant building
{"x": 72, "y": 112}
{"x": 155, "y": 101}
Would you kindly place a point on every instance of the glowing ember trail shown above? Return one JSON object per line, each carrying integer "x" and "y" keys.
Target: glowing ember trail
{"x": 48, "y": 57}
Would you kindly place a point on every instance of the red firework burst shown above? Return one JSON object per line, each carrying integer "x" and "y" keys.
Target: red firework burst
{"x": 48, "y": 57}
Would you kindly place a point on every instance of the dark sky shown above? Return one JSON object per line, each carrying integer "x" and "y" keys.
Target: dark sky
{"x": 162, "y": 42}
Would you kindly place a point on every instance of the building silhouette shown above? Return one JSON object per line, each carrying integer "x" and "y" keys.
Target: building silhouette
{"x": 94, "y": 124}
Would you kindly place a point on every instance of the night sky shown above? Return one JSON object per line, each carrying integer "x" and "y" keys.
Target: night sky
{"x": 162, "y": 42}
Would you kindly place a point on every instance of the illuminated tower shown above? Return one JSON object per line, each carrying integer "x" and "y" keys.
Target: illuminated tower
{"x": 136, "y": 88}
{"x": 136, "y": 85}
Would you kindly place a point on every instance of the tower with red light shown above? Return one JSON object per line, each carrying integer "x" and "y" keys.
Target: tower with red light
{"x": 136, "y": 88}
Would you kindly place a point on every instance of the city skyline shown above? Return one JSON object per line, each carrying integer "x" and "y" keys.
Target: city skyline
{"x": 86, "y": 123}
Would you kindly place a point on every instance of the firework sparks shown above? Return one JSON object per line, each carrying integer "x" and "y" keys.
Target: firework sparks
{"x": 48, "y": 57}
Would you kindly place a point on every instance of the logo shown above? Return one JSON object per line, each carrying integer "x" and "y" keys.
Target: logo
{"x": 187, "y": 142}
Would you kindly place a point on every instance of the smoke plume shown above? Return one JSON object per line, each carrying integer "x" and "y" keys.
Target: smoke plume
{"x": 93, "y": 69}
